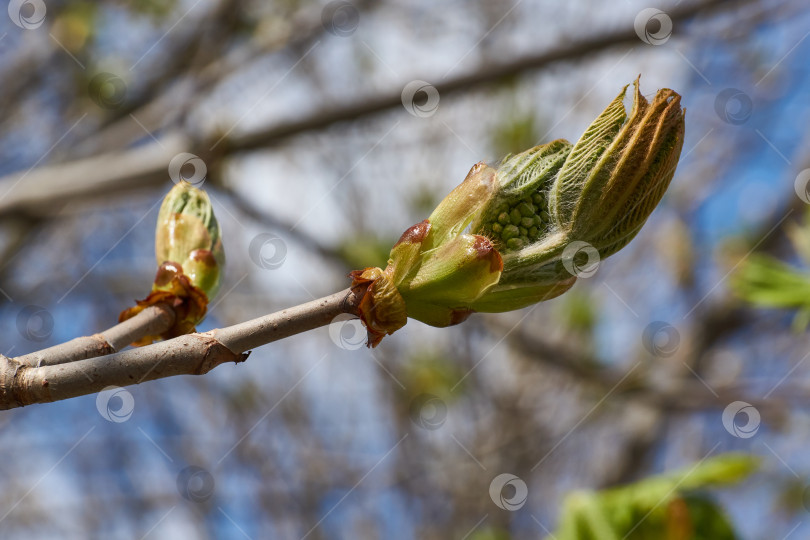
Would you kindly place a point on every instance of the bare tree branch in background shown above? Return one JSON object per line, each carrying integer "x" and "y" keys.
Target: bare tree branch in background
{"x": 33, "y": 191}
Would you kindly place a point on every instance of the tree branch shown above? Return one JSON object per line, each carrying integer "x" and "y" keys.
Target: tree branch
{"x": 192, "y": 354}
{"x": 146, "y": 165}
{"x": 151, "y": 321}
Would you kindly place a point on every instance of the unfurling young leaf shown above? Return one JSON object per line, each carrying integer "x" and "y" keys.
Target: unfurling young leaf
{"x": 499, "y": 241}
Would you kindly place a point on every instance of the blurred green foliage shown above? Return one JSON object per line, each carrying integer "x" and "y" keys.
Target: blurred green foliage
{"x": 516, "y": 133}
{"x": 363, "y": 250}
{"x": 430, "y": 371}
{"x": 764, "y": 280}
{"x": 578, "y": 310}
{"x": 668, "y": 506}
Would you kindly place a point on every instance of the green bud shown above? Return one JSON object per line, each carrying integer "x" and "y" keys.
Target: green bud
{"x": 497, "y": 241}
{"x": 188, "y": 233}
{"x": 600, "y": 191}
{"x": 188, "y": 248}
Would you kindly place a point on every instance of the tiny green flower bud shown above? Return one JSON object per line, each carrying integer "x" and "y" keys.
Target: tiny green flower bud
{"x": 525, "y": 209}
{"x": 514, "y": 243}
{"x": 509, "y": 232}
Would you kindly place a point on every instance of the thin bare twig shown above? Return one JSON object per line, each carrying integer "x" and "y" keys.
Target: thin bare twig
{"x": 151, "y": 321}
{"x": 192, "y": 354}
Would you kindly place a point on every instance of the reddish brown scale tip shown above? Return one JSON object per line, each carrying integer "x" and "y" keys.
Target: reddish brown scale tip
{"x": 415, "y": 234}
{"x": 458, "y": 316}
{"x": 166, "y": 273}
{"x": 484, "y": 248}
{"x": 477, "y": 167}
{"x": 203, "y": 255}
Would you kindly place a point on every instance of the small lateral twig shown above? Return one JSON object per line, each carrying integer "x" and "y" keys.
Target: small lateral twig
{"x": 192, "y": 354}
{"x": 153, "y": 320}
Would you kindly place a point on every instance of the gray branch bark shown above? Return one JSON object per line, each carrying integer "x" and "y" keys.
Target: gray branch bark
{"x": 192, "y": 354}
{"x": 151, "y": 321}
